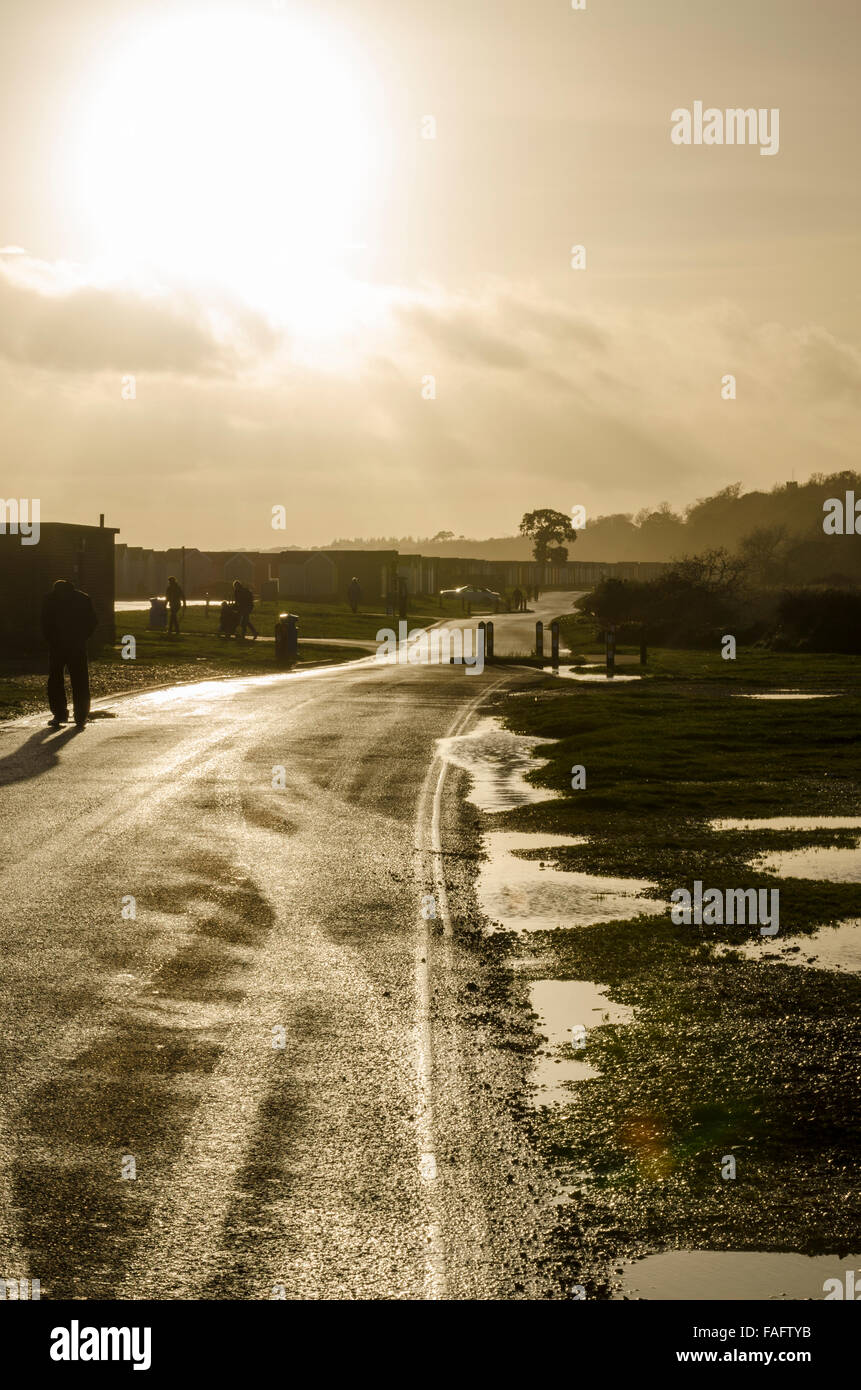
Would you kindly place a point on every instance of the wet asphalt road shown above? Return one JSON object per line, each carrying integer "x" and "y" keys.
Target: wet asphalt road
{"x": 514, "y": 633}
{"x": 272, "y": 1042}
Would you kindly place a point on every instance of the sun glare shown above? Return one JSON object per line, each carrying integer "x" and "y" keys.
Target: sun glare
{"x": 232, "y": 148}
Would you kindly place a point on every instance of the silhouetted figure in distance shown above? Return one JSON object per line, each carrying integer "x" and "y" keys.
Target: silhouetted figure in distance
{"x": 175, "y": 600}
{"x": 244, "y": 600}
{"x": 354, "y": 593}
{"x": 68, "y": 620}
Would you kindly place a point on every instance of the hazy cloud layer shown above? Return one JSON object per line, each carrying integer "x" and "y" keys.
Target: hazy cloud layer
{"x": 536, "y": 404}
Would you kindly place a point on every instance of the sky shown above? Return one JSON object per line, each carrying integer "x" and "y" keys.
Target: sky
{"x": 317, "y": 255}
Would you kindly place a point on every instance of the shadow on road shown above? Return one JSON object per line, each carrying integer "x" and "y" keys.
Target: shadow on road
{"x": 39, "y": 754}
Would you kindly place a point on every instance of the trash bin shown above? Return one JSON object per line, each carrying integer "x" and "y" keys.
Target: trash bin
{"x": 286, "y": 639}
{"x": 158, "y": 613}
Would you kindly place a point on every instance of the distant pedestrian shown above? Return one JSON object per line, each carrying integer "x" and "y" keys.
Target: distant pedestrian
{"x": 517, "y": 600}
{"x": 244, "y": 600}
{"x": 68, "y": 619}
{"x": 175, "y": 600}
{"x": 354, "y": 593}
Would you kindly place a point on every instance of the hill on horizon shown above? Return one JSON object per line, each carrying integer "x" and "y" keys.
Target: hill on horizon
{"x": 722, "y": 520}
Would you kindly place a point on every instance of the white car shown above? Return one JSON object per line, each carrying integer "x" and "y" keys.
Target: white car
{"x": 488, "y": 597}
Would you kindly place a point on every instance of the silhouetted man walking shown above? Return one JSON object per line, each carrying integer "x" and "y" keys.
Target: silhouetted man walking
{"x": 68, "y": 619}
{"x": 175, "y": 600}
{"x": 354, "y": 593}
{"x": 244, "y": 600}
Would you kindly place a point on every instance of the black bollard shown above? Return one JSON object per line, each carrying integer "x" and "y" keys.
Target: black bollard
{"x": 488, "y": 639}
{"x": 539, "y": 640}
{"x": 554, "y": 644}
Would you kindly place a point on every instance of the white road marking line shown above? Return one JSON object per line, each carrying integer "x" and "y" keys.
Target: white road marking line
{"x": 436, "y": 1277}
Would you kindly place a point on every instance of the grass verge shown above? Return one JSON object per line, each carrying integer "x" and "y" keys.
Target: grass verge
{"x": 725, "y": 1055}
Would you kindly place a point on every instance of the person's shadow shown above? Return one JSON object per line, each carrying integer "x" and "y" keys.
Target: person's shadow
{"x": 38, "y": 754}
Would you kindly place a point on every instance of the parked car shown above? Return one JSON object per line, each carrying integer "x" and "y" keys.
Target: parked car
{"x": 489, "y": 598}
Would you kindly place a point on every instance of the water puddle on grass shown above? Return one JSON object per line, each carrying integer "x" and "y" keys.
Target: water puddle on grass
{"x": 581, "y": 673}
{"x": 562, "y": 1005}
{"x": 828, "y": 948}
{"x": 733, "y": 1274}
{"x": 786, "y": 695}
{"x": 790, "y": 823}
{"x": 523, "y": 895}
{"x": 497, "y": 761}
{"x": 825, "y": 863}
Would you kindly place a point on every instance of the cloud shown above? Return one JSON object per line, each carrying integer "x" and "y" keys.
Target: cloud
{"x": 538, "y": 404}
{"x": 53, "y": 319}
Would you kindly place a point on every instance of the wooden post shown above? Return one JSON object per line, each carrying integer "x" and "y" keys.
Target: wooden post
{"x": 610, "y": 643}
{"x": 539, "y": 640}
{"x": 554, "y": 644}
{"x": 488, "y": 640}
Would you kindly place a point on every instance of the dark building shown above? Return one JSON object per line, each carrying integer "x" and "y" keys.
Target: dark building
{"x": 143, "y": 573}
{"x": 326, "y": 574}
{"x": 84, "y": 554}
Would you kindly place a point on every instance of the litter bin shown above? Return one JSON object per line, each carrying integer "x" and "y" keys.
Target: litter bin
{"x": 286, "y": 639}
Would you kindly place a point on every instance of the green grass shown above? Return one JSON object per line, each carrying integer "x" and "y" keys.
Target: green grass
{"x": 754, "y": 666}
{"x": 315, "y": 619}
{"x": 724, "y": 1054}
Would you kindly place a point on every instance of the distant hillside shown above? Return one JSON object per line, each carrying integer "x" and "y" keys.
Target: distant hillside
{"x": 724, "y": 519}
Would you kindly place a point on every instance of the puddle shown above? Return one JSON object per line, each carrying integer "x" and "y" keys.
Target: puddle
{"x": 828, "y": 948}
{"x": 519, "y": 895}
{"x": 497, "y": 761}
{"x": 197, "y": 697}
{"x": 826, "y": 863}
{"x": 561, "y": 1005}
{"x": 200, "y": 694}
{"x": 790, "y": 823}
{"x": 580, "y": 673}
{"x": 734, "y": 1274}
{"x": 787, "y": 695}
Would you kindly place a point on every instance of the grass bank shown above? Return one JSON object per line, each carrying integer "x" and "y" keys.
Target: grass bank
{"x": 726, "y": 1055}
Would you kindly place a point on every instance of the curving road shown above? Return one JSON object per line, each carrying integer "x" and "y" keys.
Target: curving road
{"x": 260, "y": 1084}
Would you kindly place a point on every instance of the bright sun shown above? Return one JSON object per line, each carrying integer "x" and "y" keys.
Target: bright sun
{"x": 236, "y": 148}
